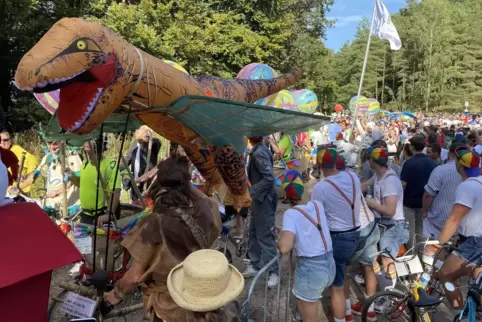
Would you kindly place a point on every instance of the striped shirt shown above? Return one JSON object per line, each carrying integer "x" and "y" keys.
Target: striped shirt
{"x": 441, "y": 185}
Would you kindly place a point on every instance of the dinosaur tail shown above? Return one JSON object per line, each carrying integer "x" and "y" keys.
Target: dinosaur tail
{"x": 243, "y": 90}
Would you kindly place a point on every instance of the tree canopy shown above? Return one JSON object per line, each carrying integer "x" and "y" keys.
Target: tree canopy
{"x": 436, "y": 69}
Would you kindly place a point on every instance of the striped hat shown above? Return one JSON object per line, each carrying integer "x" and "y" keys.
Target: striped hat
{"x": 326, "y": 158}
{"x": 378, "y": 154}
{"x": 470, "y": 160}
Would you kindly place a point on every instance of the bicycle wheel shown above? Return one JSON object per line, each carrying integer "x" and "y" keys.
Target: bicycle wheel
{"x": 54, "y": 313}
{"x": 389, "y": 306}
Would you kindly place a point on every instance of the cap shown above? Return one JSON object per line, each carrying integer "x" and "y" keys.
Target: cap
{"x": 470, "y": 160}
{"x": 339, "y": 136}
{"x": 340, "y": 163}
{"x": 378, "y": 154}
{"x": 370, "y": 125}
{"x": 326, "y": 158}
{"x": 455, "y": 145}
{"x": 380, "y": 143}
{"x": 460, "y": 138}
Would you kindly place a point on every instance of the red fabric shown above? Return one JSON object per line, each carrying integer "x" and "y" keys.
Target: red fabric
{"x": 26, "y": 301}
{"x": 11, "y": 162}
{"x": 441, "y": 140}
{"x": 31, "y": 244}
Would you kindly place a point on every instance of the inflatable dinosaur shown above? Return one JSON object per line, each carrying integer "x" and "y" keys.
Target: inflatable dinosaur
{"x": 97, "y": 71}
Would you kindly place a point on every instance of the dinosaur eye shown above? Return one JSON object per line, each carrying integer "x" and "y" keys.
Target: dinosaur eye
{"x": 81, "y": 45}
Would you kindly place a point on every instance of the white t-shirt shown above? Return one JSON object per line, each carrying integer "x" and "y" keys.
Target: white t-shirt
{"x": 389, "y": 185}
{"x": 366, "y": 214}
{"x": 338, "y": 210}
{"x": 308, "y": 242}
{"x": 469, "y": 194}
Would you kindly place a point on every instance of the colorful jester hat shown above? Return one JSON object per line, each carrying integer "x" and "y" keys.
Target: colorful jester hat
{"x": 470, "y": 160}
{"x": 378, "y": 154}
{"x": 326, "y": 157}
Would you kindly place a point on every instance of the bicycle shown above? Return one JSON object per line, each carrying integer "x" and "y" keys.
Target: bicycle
{"x": 413, "y": 302}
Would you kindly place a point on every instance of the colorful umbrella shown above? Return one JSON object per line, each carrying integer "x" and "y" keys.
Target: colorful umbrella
{"x": 175, "y": 65}
{"x": 307, "y": 100}
{"x": 256, "y": 71}
{"x": 49, "y": 100}
{"x": 293, "y": 185}
{"x": 373, "y": 106}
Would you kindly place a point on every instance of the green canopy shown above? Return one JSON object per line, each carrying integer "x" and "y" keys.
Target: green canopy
{"x": 220, "y": 122}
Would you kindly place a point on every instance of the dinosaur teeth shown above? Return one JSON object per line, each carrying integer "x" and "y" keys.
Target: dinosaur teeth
{"x": 90, "y": 109}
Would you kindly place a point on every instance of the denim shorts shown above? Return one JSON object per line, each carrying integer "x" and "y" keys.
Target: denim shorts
{"x": 470, "y": 250}
{"x": 367, "y": 245}
{"x": 393, "y": 236}
{"x": 344, "y": 246}
{"x": 312, "y": 276}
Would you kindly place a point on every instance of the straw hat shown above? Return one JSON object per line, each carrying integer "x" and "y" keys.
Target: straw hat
{"x": 204, "y": 282}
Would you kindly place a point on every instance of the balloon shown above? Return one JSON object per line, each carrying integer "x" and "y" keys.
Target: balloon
{"x": 362, "y": 103}
{"x": 373, "y": 106}
{"x": 257, "y": 71}
{"x": 307, "y": 100}
{"x": 49, "y": 100}
{"x": 286, "y": 100}
{"x": 175, "y": 65}
{"x": 338, "y": 108}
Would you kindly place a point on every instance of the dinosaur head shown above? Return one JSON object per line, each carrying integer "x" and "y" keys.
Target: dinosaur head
{"x": 81, "y": 59}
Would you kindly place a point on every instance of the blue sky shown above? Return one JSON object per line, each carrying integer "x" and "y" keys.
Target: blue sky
{"x": 348, "y": 13}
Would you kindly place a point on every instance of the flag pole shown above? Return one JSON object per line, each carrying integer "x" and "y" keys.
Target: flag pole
{"x": 365, "y": 60}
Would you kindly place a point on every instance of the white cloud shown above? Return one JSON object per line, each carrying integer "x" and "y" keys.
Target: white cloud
{"x": 341, "y": 21}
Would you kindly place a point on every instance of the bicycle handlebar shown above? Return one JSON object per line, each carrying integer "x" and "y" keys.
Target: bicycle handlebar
{"x": 415, "y": 253}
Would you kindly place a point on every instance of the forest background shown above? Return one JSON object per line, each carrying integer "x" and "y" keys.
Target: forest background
{"x": 437, "y": 69}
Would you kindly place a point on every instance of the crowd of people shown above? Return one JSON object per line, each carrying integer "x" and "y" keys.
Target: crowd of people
{"x": 385, "y": 184}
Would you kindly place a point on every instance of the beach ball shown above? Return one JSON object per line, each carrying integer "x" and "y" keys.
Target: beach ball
{"x": 362, "y": 101}
{"x": 49, "y": 100}
{"x": 307, "y": 100}
{"x": 373, "y": 106}
{"x": 293, "y": 185}
{"x": 338, "y": 108}
{"x": 175, "y": 65}
{"x": 256, "y": 71}
{"x": 286, "y": 100}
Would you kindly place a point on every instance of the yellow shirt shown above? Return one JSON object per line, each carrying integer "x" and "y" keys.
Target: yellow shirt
{"x": 29, "y": 165}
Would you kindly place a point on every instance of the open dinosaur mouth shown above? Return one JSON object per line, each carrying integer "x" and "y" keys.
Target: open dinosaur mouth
{"x": 80, "y": 93}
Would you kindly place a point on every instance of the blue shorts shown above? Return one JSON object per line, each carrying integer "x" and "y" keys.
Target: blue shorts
{"x": 312, "y": 276}
{"x": 393, "y": 236}
{"x": 344, "y": 246}
{"x": 470, "y": 250}
{"x": 367, "y": 245}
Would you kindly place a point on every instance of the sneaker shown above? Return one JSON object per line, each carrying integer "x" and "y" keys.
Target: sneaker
{"x": 273, "y": 280}
{"x": 357, "y": 310}
{"x": 249, "y": 271}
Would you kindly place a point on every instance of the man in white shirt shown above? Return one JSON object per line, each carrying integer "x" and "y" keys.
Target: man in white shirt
{"x": 340, "y": 195}
{"x": 306, "y": 230}
{"x": 465, "y": 216}
{"x": 387, "y": 204}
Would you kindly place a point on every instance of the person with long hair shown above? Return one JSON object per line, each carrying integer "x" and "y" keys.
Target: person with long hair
{"x": 183, "y": 221}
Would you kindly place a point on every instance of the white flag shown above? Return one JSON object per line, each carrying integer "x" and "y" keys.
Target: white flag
{"x": 384, "y": 28}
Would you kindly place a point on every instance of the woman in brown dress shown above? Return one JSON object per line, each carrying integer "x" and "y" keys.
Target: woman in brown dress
{"x": 184, "y": 220}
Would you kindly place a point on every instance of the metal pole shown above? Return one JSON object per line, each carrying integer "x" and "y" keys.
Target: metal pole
{"x": 64, "y": 183}
{"x": 365, "y": 60}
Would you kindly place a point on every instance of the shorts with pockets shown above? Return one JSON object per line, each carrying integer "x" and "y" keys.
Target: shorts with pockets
{"x": 367, "y": 245}
{"x": 344, "y": 246}
{"x": 470, "y": 250}
{"x": 392, "y": 236}
{"x": 312, "y": 276}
